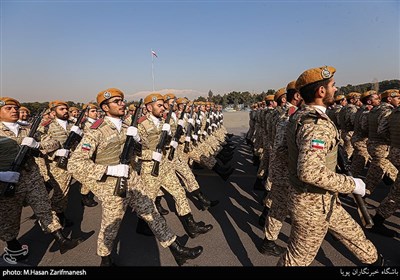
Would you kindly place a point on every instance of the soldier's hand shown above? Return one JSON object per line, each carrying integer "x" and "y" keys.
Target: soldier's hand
{"x": 360, "y": 186}
{"x": 30, "y": 142}
{"x": 133, "y": 131}
{"x": 119, "y": 170}
{"x": 77, "y": 130}
{"x": 62, "y": 153}
{"x": 9, "y": 176}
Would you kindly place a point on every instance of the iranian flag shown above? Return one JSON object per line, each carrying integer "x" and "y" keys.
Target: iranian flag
{"x": 317, "y": 144}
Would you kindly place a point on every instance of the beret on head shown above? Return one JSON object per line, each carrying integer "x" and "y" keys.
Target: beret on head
{"x": 55, "y": 103}
{"x": 270, "y": 97}
{"x": 132, "y": 107}
{"x": 9, "y": 101}
{"x": 390, "y": 93}
{"x": 90, "y": 106}
{"x": 339, "y": 97}
{"x": 153, "y": 98}
{"x": 353, "y": 94}
{"x": 182, "y": 100}
{"x": 71, "y": 109}
{"x": 291, "y": 85}
{"x": 368, "y": 93}
{"x": 22, "y": 108}
{"x": 169, "y": 96}
{"x": 279, "y": 93}
{"x": 314, "y": 75}
{"x": 107, "y": 94}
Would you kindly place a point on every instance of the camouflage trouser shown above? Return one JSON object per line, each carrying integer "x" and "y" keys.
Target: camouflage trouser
{"x": 42, "y": 168}
{"x": 258, "y": 142}
{"x": 200, "y": 156}
{"x": 391, "y": 202}
{"x": 348, "y": 147}
{"x": 250, "y": 132}
{"x": 360, "y": 157}
{"x": 30, "y": 189}
{"x": 264, "y": 163}
{"x": 84, "y": 189}
{"x": 312, "y": 216}
{"x": 169, "y": 181}
{"x": 113, "y": 210}
{"x": 59, "y": 179}
{"x": 379, "y": 166}
{"x": 184, "y": 172}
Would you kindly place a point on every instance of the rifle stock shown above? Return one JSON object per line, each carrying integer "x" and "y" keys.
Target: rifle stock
{"x": 362, "y": 208}
{"x": 125, "y": 157}
{"x": 10, "y": 188}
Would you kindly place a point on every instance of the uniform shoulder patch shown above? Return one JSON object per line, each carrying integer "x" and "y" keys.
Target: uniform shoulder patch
{"x": 292, "y": 110}
{"x": 142, "y": 119}
{"x": 46, "y": 123}
{"x": 165, "y": 115}
{"x": 97, "y": 123}
{"x": 317, "y": 144}
{"x": 86, "y": 147}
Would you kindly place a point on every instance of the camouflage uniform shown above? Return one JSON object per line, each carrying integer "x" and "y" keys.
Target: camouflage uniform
{"x": 314, "y": 205}
{"x": 392, "y": 202}
{"x": 29, "y": 189}
{"x": 346, "y": 122}
{"x": 378, "y": 146}
{"x": 266, "y": 142}
{"x": 359, "y": 142}
{"x": 86, "y": 127}
{"x": 99, "y": 148}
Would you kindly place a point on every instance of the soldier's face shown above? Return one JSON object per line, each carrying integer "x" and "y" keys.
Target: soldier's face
{"x": 62, "y": 112}
{"x": 115, "y": 107}
{"x": 23, "y": 115}
{"x": 74, "y": 113}
{"x": 92, "y": 113}
{"x": 9, "y": 113}
{"x": 395, "y": 101}
{"x": 330, "y": 90}
{"x": 157, "y": 108}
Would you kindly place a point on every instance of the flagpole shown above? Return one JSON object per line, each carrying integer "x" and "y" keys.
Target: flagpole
{"x": 152, "y": 66}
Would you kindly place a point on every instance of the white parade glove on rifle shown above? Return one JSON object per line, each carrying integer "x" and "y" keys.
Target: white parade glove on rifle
{"x": 133, "y": 131}
{"x": 9, "y": 176}
{"x": 119, "y": 170}
{"x": 30, "y": 142}
{"x": 77, "y": 130}
{"x": 360, "y": 186}
{"x": 62, "y": 153}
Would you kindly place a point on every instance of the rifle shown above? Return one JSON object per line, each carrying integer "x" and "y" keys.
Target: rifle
{"x": 189, "y": 130}
{"x": 72, "y": 140}
{"x": 9, "y": 191}
{"x": 195, "y": 135}
{"x": 178, "y": 134}
{"x": 161, "y": 144}
{"x": 125, "y": 157}
{"x": 362, "y": 208}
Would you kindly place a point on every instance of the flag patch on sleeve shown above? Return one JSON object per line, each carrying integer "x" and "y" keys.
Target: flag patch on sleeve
{"x": 86, "y": 147}
{"x": 317, "y": 144}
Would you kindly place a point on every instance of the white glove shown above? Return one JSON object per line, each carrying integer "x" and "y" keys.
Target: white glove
{"x": 30, "y": 142}
{"x": 77, "y": 130}
{"x": 166, "y": 127}
{"x": 133, "y": 131}
{"x": 360, "y": 186}
{"x": 62, "y": 153}
{"x": 119, "y": 170}
{"x": 9, "y": 176}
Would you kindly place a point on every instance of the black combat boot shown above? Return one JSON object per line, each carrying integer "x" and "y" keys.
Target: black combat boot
{"x": 64, "y": 221}
{"x": 263, "y": 216}
{"x": 380, "y": 228}
{"x": 18, "y": 251}
{"x": 159, "y": 207}
{"x": 269, "y": 247}
{"x": 107, "y": 261}
{"x": 192, "y": 228}
{"x": 205, "y": 202}
{"x": 65, "y": 243}
{"x": 258, "y": 184}
{"x": 379, "y": 262}
{"x": 87, "y": 200}
{"x": 143, "y": 228}
{"x": 182, "y": 254}
{"x": 387, "y": 180}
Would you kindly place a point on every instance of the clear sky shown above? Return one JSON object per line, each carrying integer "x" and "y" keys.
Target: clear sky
{"x": 71, "y": 50}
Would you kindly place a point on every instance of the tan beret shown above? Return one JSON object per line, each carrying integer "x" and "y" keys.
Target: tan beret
{"x": 71, "y": 109}
{"x": 153, "y": 98}
{"x": 368, "y": 93}
{"x": 390, "y": 93}
{"x": 132, "y": 107}
{"x": 182, "y": 100}
{"x": 291, "y": 85}
{"x": 169, "y": 96}
{"x": 107, "y": 94}
{"x": 269, "y": 97}
{"x": 279, "y": 93}
{"x": 314, "y": 75}
{"x": 22, "y": 108}
{"x": 339, "y": 97}
{"x": 90, "y": 106}
{"x": 353, "y": 94}
{"x": 9, "y": 101}
{"x": 55, "y": 103}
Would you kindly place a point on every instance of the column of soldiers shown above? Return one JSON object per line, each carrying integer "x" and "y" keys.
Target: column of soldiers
{"x": 94, "y": 162}
{"x": 295, "y": 146}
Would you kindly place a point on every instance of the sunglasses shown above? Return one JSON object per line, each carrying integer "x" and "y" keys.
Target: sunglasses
{"x": 117, "y": 101}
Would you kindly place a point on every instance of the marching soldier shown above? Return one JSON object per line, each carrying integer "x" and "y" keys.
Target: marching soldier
{"x": 73, "y": 114}
{"x": 313, "y": 141}
{"x": 99, "y": 151}
{"x": 28, "y": 182}
{"x": 333, "y": 111}
{"x": 24, "y": 114}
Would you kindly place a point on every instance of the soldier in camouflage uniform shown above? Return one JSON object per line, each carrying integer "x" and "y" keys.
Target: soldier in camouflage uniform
{"x": 99, "y": 152}
{"x": 252, "y": 116}
{"x": 391, "y": 202}
{"x": 369, "y": 99}
{"x": 333, "y": 111}
{"x": 378, "y": 142}
{"x": 313, "y": 140}
{"x": 24, "y": 114}
{"x": 150, "y": 128}
{"x": 28, "y": 182}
